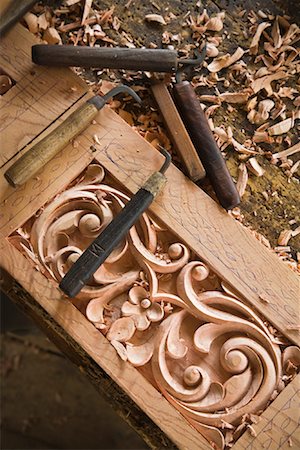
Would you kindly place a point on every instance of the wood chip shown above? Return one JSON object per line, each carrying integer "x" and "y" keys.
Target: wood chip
{"x": 288, "y": 152}
{"x": 282, "y": 127}
{"x": 284, "y": 237}
{"x": 155, "y": 18}
{"x": 32, "y": 22}
{"x": 265, "y": 82}
{"x": 52, "y": 36}
{"x": 256, "y": 38}
{"x": 225, "y": 61}
{"x": 254, "y": 167}
{"x": 242, "y": 179}
{"x": 86, "y": 10}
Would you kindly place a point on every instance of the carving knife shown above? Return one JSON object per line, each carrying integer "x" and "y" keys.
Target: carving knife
{"x": 37, "y": 156}
{"x": 92, "y": 258}
{"x": 153, "y": 60}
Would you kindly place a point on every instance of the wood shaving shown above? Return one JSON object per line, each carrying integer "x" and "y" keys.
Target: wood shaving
{"x": 256, "y": 38}
{"x": 254, "y": 167}
{"x": 284, "y": 237}
{"x": 225, "y": 61}
{"x": 265, "y": 82}
{"x": 32, "y": 22}
{"x": 281, "y": 127}
{"x": 215, "y": 23}
{"x": 155, "y": 18}
{"x": 86, "y": 11}
{"x": 288, "y": 152}
{"x": 242, "y": 180}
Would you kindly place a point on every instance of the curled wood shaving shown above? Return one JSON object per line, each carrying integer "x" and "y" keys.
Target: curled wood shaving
{"x": 256, "y": 38}
{"x": 242, "y": 179}
{"x": 120, "y": 349}
{"x": 282, "y": 127}
{"x": 284, "y": 237}
{"x": 211, "y": 50}
{"x": 288, "y": 152}
{"x": 265, "y": 82}
{"x": 254, "y": 167}
{"x": 215, "y": 23}
{"x": 155, "y": 18}
{"x": 225, "y": 61}
{"x": 262, "y": 114}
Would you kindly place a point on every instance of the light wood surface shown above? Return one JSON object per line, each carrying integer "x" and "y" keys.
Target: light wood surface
{"x": 177, "y": 131}
{"x": 99, "y": 348}
{"x": 228, "y": 248}
{"x": 278, "y": 427}
{"x": 39, "y": 96}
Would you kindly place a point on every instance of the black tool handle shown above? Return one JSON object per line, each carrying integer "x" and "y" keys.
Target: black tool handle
{"x": 154, "y": 60}
{"x": 92, "y": 258}
{"x": 201, "y": 135}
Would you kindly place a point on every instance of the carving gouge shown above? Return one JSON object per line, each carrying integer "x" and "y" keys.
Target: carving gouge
{"x": 36, "y": 157}
{"x": 203, "y": 139}
{"x": 153, "y": 60}
{"x": 92, "y": 258}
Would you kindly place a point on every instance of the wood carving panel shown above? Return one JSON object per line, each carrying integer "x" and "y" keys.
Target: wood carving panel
{"x": 212, "y": 356}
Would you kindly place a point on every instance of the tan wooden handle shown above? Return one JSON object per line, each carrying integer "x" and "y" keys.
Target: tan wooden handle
{"x": 36, "y": 157}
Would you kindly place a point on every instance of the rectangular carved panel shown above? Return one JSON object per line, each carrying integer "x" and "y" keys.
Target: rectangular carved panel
{"x": 213, "y": 357}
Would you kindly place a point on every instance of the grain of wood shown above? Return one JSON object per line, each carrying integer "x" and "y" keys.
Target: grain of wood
{"x": 178, "y": 133}
{"x": 39, "y": 96}
{"x": 278, "y": 423}
{"x": 229, "y": 249}
{"x": 233, "y": 253}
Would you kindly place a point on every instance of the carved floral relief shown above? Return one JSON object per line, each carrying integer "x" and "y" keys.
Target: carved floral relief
{"x": 167, "y": 313}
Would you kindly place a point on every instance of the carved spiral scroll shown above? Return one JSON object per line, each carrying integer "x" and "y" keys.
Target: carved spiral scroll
{"x": 209, "y": 354}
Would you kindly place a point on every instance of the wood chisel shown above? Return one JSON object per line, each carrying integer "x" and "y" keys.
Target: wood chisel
{"x": 92, "y": 258}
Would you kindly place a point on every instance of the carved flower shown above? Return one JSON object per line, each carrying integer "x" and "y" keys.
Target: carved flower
{"x": 141, "y": 309}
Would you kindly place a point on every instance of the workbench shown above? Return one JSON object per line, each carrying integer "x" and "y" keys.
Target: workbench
{"x": 40, "y": 99}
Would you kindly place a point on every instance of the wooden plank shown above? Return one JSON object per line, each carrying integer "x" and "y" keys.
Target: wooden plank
{"x": 177, "y": 131}
{"x": 278, "y": 427}
{"x": 226, "y": 246}
{"x": 99, "y": 348}
{"x": 39, "y": 96}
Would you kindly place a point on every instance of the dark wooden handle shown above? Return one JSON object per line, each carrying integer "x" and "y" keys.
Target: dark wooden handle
{"x": 92, "y": 258}
{"x": 13, "y": 13}
{"x": 38, "y": 155}
{"x": 197, "y": 125}
{"x": 154, "y": 60}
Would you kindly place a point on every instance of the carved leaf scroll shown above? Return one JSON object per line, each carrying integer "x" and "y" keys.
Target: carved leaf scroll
{"x": 163, "y": 309}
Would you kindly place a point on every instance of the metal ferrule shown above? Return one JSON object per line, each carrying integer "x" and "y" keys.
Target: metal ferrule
{"x": 155, "y": 183}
